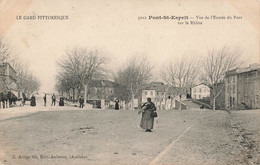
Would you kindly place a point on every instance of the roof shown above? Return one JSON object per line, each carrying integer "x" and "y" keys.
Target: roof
{"x": 199, "y": 85}
{"x": 160, "y": 87}
{"x": 251, "y": 67}
{"x": 157, "y": 86}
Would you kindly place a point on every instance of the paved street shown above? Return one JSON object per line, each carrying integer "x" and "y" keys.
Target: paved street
{"x": 68, "y": 135}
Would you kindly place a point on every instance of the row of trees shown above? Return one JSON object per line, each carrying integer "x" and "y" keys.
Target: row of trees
{"x": 26, "y": 82}
{"x": 79, "y": 66}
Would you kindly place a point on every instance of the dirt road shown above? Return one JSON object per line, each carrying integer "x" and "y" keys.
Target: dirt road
{"x": 114, "y": 137}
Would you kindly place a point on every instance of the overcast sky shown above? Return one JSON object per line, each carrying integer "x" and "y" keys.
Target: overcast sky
{"x": 114, "y": 27}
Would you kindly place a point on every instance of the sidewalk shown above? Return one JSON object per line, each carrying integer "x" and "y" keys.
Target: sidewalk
{"x": 27, "y": 109}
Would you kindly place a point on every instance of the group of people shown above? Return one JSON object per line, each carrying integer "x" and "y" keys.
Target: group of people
{"x": 53, "y": 100}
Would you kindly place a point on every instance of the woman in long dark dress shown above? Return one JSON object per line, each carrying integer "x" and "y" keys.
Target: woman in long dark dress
{"x": 45, "y": 99}
{"x": 147, "y": 121}
{"x": 61, "y": 103}
{"x": 33, "y": 101}
{"x": 117, "y": 104}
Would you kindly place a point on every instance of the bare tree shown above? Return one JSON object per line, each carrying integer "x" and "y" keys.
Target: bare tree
{"x": 32, "y": 84}
{"x": 121, "y": 92}
{"x": 25, "y": 81}
{"x": 68, "y": 81}
{"x": 22, "y": 77}
{"x": 137, "y": 72}
{"x": 215, "y": 66}
{"x": 81, "y": 65}
{"x": 5, "y": 52}
{"x": 180, "y": 74}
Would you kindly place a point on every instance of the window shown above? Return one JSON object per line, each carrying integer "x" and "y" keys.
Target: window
{"x": 205, "y": 90}
{"x": 200, "y": 90}
{"x": 145, "y": 92}
{"x": 151, "y": 92}
{"x": 199, "y": 96}
{"x": 194, "y": 96}
{"x": 194, "y": 90}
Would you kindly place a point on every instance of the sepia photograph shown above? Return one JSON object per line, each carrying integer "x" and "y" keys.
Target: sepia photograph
{"x": 129, "y": 82}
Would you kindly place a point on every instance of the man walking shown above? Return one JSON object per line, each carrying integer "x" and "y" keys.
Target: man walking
{"x": 53, "y": 97}
{"x": 81, "y": 102}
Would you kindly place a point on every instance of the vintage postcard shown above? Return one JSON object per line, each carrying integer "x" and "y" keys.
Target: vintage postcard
{"x": 129, "y": 82}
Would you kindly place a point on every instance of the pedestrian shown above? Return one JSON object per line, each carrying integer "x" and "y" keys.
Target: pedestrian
{"x": 116, "y": 104}
{"x": 147, "y": 121}
{"x": 53, "y": 98}
{"x": 81, "y": 102}
{"x": 44, "y": 99}
{"x": 33, "y": 101}
{"x": 61, "y": 103}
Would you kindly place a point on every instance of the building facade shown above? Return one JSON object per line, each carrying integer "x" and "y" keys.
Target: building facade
{"x": 8, "y": 79}
{"x": 200, "y": 91}
{"x": 101, "y": 89}
{"x": 242, "y": 88}
{"x": 162, "y": 95}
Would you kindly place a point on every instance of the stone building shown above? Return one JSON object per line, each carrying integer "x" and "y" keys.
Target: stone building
{"x": 242, "y": 88}
{"x": 101, "y": 89}
{"x": 163, "y": 96}
{"x": 101, "y": 94}
{"x": 200, "y": 91}
{"x": 8, "y": 79}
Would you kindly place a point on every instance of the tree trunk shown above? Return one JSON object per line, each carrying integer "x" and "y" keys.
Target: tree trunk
{"x": 180, "y": 103}
{"x": 85, "y": 93}
{"x": 78, "y": 94}
{"x": 133, "y": 99}
{"x": 73, "y": 94}
{"x": 171, "y": 103}
{"x": 165, "y": 102}
{"x": 160, "y": 104}
{"x": 214, "y": 104}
